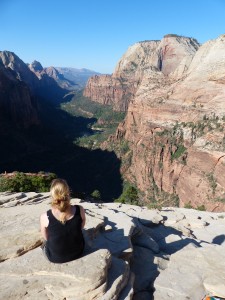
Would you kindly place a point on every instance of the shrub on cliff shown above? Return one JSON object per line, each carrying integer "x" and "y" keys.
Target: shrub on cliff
{"x": 129, "y": 195}
{"x": 22, "y": 182}
{"x": 96, "y": 195}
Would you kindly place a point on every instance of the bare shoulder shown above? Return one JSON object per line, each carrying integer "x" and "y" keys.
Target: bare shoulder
{"x": 82, "y": 214}
{"x": 82, "y": 211}
{"x": 44, "y": 219}
{"x": 81, "y": 207}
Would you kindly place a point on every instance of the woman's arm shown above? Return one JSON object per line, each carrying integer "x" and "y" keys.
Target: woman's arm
{"x": 82, "y": 213}
{"x": 44, "y": 224}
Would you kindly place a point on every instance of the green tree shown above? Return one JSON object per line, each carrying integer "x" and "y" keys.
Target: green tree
{"x": 129, "y": 195}
{"x": 96, "y": 195}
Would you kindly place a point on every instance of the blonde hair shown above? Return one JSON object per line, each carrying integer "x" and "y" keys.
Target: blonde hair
{"x": 60, "y": 194}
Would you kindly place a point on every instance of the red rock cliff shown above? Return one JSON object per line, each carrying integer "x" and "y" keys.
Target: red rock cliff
{"x": 175, "y": 120}
{"x": 167, "y": 56}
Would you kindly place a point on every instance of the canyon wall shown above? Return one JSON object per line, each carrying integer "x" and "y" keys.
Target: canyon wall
{"x": 17, "y": 104}
{"x": 175, "y": 123}
{"x": 24, "y": 105}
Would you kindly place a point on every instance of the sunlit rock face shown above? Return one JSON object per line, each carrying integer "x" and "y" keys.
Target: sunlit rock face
{"x": 171, "y": 55}
{"x": 174, "y": 94}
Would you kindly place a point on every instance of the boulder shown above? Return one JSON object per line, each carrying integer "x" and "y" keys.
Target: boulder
{"x": 33, "y": 277}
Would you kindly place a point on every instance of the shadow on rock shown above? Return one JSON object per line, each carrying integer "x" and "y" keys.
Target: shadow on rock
{"x": 219, "y": 240}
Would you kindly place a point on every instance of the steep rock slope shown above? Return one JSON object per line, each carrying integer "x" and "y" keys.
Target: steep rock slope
{"x": 23, "y": 100}
{"x": 175, "y": 120}
{"x": 171, "y": 55}
{"x": 53, "y": 73}
{"x": 42, "y": 86}
{"x": 17, "y": 105}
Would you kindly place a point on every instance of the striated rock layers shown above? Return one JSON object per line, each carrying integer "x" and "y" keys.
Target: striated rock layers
{"x": 175, "y": 120}
{"x": 131, "y": 252}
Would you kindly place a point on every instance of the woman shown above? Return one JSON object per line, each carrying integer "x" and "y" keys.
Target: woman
{"x": 61, "y": 226}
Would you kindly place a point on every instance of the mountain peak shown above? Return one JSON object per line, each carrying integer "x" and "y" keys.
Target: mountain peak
{"x": 36, "y": 66}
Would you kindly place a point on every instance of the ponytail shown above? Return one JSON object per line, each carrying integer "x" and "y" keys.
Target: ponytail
{"x": 60, "y": 194}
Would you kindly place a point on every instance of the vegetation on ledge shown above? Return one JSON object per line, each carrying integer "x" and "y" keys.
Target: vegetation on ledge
{"x": 23, "y": 182}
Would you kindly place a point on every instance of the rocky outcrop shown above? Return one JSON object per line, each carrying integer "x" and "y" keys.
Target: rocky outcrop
{"x": 175, "y": 121}
{"x": 39, "y": 82}
{"x": 172, "y": 55}
{"x": 130, "y": 253}
{"x": 47, "y": 74}
{"x": 11, "y": 61}
{"x": 35, "y": 66}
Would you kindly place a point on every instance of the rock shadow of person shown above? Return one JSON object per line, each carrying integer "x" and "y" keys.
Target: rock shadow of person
{"x": 219, "y": 239}
{"x": 114, "y": 239}
{"x": 169, "y": 239}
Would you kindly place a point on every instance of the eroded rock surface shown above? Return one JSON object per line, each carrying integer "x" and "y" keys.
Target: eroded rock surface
{"x": 130, "y": 253}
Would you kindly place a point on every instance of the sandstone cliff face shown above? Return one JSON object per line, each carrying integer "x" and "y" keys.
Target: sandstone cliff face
{"x": 108, "y": 90}
{"x": 171, "y": 55}
{"x": 175, "y": 121}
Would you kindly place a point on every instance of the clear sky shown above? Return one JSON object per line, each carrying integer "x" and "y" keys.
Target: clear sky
{"x": 94, "y": 34}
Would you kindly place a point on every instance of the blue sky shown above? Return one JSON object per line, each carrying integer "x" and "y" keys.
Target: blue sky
{"x": 94, "y": 34}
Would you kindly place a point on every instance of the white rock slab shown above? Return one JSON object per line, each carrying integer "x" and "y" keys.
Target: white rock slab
{"x": 192, "y": 273}
{"x": 19, "y": 229}
{"x": 31, "y": 276}
{"x": 6, "y": 197}
{"x": 150, "y": 217}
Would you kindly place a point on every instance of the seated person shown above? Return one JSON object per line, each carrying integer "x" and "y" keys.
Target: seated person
{"x": 61, "y": 226}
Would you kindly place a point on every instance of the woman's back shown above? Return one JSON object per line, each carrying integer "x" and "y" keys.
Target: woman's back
{"x": 65, "y": 240}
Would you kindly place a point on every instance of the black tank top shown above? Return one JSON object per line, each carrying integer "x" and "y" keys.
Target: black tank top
{"x": 65, "y": 241}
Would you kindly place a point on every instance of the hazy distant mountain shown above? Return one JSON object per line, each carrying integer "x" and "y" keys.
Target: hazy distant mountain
{"x": 53, "y": 73}
{"x": 77, "y": 76}
{"x": 66, "y": 78}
